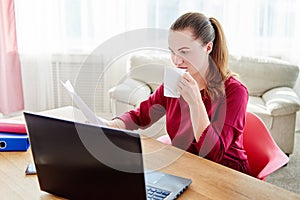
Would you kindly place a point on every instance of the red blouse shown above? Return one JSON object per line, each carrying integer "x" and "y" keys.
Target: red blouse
{"x": 222, "y": 140}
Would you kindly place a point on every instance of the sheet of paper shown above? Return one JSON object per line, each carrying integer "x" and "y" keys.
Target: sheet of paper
{"x": 88, "y": 113}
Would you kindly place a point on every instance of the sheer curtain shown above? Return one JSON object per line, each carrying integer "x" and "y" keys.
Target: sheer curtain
{"x": 256, "y": 27}
{"x": 76, "y": 27}
{"x": 37, "y": 38}
{"x": 52, "y": 29}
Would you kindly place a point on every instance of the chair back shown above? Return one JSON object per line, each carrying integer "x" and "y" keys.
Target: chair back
{"x": 264, "y": 156}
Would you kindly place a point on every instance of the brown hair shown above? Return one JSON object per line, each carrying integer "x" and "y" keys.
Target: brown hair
{"x": 207, "y": 30}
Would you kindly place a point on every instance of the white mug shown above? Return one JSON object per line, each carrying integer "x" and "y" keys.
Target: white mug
{"x": 171, "y": 79}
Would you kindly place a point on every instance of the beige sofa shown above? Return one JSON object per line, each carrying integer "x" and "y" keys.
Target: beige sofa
{"x": 269, "y": 81}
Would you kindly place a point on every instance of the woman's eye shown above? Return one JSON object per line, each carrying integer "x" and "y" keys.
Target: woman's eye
{"x": 183, "y": 52}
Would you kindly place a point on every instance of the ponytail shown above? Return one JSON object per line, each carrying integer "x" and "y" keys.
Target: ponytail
{"x": 218, "y": 63}
{"x": 219, "y": 52}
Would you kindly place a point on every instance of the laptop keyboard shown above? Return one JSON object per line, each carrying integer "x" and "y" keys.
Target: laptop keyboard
{"x": 155, "y": 193}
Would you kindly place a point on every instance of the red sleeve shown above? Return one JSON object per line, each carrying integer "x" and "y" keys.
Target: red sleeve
{"x": 148, "y": 112}
{"x": 227, "y": 124}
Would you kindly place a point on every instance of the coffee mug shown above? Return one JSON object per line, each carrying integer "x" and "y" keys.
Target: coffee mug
{"x": 171, "y": 79}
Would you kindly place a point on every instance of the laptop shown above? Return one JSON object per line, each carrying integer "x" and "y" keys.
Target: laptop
{"x": 81, "y": 161}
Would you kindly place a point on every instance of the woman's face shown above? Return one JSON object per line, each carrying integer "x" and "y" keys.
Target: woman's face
{"x": 189, "y": 53}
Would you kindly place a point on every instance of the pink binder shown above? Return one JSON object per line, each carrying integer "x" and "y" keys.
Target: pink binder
{"x": 9, "y": 127}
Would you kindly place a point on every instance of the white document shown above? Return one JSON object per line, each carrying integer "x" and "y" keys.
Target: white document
{"x": 88, "y": 113}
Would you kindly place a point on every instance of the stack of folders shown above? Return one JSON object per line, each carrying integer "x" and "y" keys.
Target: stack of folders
{"x": 13, "y": 137}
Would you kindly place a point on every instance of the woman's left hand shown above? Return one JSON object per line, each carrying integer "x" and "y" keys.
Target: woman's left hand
{"x": 189, "y": 89}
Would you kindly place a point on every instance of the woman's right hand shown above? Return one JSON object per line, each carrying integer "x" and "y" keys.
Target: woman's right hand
{"x": 116, "y": 123}
{"x": 189, "y": 89}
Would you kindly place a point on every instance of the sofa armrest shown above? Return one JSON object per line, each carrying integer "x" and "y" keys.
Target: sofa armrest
{"x": 281, "y": 101}
{"x": 130, "y": 91}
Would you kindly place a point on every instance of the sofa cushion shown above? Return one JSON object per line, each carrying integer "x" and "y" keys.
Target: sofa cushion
{"x": 261, "y": 74}
{"x": 281, "y": 101}
{"x": 130, "y": 91}
{"x": 148, "y": 68}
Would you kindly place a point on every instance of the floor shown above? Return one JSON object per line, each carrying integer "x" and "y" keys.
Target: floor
{"x": 288, "y": 177}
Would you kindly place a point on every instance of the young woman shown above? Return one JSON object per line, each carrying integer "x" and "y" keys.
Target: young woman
{"x": 209, "y": 117}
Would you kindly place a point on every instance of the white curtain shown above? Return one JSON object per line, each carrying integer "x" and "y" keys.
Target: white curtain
{"x": 52, "y": 29}
{"x": 76, "y": 27}
{"x": 255, "y": 27}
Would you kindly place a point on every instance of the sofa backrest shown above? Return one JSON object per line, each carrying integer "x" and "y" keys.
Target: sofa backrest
{"x": 261, "y": 74}
{"x": 148, "y": 68}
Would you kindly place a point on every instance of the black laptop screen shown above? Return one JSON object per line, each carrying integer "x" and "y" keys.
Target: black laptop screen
{"x": 74, "y": 161}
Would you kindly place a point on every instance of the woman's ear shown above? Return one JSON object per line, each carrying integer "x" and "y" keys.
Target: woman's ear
{"x": 209, "y": 47}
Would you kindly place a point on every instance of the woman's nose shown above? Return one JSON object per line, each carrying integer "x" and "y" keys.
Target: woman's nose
{"x": 177, "y": 60}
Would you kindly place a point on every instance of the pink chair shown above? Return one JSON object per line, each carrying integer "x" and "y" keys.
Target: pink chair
{"x": 264, "y": 156}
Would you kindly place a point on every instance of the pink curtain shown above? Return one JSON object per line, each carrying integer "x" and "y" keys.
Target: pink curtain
{"x": 11, "y": 91}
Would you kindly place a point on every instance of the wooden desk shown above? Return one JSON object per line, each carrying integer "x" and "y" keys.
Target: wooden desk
{"x": 210, "y": 180}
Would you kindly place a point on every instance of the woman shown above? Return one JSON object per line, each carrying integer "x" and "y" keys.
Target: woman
{"x": 209, "y": 117}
